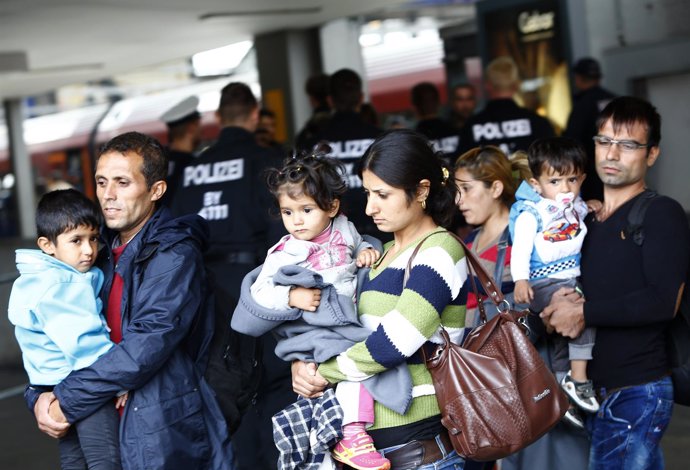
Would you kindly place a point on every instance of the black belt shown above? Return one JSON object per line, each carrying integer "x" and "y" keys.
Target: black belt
{"x": 416, "y": 453}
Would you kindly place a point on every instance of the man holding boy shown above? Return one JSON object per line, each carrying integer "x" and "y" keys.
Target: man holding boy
{"x": 632, "y": 293}
{"x": 154, "y": 291}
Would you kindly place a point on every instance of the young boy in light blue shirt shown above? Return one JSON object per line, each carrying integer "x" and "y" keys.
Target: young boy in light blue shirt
{"x": 56, "y": 311}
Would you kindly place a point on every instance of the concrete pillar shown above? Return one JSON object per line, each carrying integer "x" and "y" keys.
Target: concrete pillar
{"x": 21, "y": 163}
{"x": 340, "y": 48}
{"x": 285, "y": 60}
{"x": 578, "y": 30}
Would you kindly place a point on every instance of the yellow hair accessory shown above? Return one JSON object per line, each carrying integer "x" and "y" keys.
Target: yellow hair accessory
{"x": 446, "y": 174}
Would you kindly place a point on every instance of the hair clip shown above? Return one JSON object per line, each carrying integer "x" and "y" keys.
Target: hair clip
{"x": 446, "y": 174}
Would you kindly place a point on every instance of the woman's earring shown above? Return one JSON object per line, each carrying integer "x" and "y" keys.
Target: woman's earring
{"x": 424, "y": 205}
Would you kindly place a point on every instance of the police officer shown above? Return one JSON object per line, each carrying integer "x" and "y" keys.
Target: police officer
{"x": 588, "y": 102}
{"x": 426, "y": 101}
{"x": 502, "y": 122}
{"x": 349, "y": 137}
{"x": 224, "y": 185}
{"x": 184, "y": 136}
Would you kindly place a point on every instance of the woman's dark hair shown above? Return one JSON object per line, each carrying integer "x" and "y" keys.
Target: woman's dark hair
{"x": 63, "y": 210}
{"x": 312, "y": 174}
{"x": 560, "y": 153}
{"x": 402, "y": 158}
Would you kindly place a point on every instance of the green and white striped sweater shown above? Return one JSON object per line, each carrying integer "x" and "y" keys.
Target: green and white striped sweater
{"x": 403, "y": 318}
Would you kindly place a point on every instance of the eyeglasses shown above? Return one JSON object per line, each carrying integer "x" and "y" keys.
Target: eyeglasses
{"x": 625, "y": 145}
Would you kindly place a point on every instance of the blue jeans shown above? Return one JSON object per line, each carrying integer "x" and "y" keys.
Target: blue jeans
{"x": 93, "y": 442}
{"x": 450, "y": 460}
{"x": 626, "y": 431}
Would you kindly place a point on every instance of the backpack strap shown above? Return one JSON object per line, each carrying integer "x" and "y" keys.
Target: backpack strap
{"x": 635, "y": 228}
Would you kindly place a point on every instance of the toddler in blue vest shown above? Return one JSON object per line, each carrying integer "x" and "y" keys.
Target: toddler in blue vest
{"x": 547, "y": 228}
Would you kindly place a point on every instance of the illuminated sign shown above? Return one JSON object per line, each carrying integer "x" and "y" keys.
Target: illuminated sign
{"x": 535, "y": 25}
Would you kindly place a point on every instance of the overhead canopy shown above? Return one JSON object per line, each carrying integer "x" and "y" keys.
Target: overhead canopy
{"x": 44, "y": 45}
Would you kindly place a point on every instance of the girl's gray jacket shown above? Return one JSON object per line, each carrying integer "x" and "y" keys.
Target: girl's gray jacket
{"x": 321, "y": 335}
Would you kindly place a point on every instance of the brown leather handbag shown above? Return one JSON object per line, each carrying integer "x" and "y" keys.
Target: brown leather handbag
{"x": 495, "y": 393}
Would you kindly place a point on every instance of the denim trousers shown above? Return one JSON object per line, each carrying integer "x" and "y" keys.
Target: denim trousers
{"x": 450, "y": 460}
{"x": 626, "y": 432}
{"x": 93, "y": 442}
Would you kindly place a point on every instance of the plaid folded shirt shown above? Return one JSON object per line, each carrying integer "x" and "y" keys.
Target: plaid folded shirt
{"x": 304, "y": 431}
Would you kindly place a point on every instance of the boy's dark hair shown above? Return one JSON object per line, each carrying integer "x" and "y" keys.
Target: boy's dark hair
{"x": 626, "y": 111}
{"x": 560, "y": 153}
{"x": 155, "y": 159}
{"x": 236, "y": 102}
{"x": 345, "y": 89}
{"x": 63, "y": 210}
{"x": 312, "y": 174}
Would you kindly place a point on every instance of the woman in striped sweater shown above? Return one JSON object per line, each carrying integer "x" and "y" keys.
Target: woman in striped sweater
{"x": 411, "y": 196}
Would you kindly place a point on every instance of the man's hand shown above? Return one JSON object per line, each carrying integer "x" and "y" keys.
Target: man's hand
{"x": 121, "y": 400}
{"x": 45, "y": 422}
{"x": 55, "y": 412}
{"x": 594, "y": 205}
{"x": 305, "y": 299}
{"x": 523, "y": 293}
{"x": 367, "y": 257}
{"x": 306, "y": 380}
{"x": 565, "y": 312}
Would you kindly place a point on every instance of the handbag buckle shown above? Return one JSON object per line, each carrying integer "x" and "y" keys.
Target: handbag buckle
{"x": 523, "y": 323}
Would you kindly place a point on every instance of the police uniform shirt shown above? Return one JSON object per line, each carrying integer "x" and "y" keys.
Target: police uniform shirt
{"x": 177, "y": 161}
{"x": 505, "y": 124}
{"x": 444, "y": 137}
{"x": 582, "y": 127}
{"x": 224, "y": 186}
{"x": 349, "y": 137}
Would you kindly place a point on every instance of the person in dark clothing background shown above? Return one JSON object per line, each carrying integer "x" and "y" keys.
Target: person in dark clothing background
{"x": 426, "y": 101}
{"x": 349, "y": 137}
{"x": 502, "y": 122}
{"x": 224, "y": 186}
{"x": 590, "y": 98}
{"x": 266, "y": 132}
{"x": 184, "y": 136}
{"x": 317, "y": 92}
{"x": 463, "y": 102}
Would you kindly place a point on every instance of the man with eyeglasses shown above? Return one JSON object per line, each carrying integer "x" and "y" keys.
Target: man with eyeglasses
{"x": 632, "y": 293}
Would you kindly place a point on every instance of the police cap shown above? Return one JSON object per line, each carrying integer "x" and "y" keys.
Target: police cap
{"x": 183, "y": 111}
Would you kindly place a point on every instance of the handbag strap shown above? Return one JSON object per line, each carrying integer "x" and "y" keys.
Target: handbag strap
{"x": 473, "y": 265}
